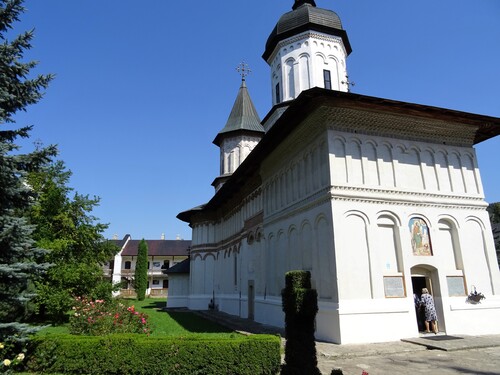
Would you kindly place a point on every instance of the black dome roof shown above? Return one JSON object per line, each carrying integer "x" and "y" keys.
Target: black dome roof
{"x": 302, "y": 18}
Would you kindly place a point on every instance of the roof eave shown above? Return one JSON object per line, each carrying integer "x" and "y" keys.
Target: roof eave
{"x": 273, "y": 41}
{"x": 218, "y": 139}
{"x": 309, "y": 100}
{"x": 186, "y": 215}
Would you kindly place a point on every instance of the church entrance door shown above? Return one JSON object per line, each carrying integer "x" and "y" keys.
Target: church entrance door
{"x": 425, "y": 276}
{"x": 419, "y": 282}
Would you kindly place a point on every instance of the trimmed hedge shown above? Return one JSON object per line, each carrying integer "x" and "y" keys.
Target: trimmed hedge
{"x": 129, "y": 354}
{"x": 300, "y": 304}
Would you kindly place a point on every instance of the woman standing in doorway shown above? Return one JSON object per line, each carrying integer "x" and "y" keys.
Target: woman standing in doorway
{"x": 430, "y": 311}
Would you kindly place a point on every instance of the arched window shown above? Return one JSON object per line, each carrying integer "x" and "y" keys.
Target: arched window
{"x": 290, "y": 76}
{"x": 230, "y": 162}
{"x": 327, "y": 79}
{"x": 448, "y": 242}
{"x": 235, "y": 273}
{"x": 388, "y": 248}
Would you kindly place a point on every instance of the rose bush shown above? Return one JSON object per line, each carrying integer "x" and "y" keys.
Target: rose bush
{"x": 99, "y": 317}
{"x": 10, "y": 361}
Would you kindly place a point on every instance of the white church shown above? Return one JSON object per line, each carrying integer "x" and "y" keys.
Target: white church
{"x": 376, "y": 198}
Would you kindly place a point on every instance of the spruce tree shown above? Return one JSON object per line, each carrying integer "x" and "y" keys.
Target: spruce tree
{"x": 141, "y": 271}
{"x": 19, "y": 259}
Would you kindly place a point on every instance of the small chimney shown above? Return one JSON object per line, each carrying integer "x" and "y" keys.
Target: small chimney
{"x": 115, "y": 236}
{"x": 178, "y": 237}
{"x": 163, "y": 236}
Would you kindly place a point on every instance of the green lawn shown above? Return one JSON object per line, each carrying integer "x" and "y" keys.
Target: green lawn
{"x": 164, "y": 323}
{"x": 175, "y": 323}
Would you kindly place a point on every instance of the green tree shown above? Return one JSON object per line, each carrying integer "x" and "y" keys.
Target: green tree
{"x": 494, "y": 211}
{"x": 141, "y": 271}
{"x": 20, "y": 261}
{"x": 77, "y": 248}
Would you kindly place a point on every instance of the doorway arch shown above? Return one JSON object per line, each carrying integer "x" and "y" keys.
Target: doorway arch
{"x": 426, "y": 276}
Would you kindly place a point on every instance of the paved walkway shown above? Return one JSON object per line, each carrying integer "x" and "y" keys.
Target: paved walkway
{"x": 427, "y": 354}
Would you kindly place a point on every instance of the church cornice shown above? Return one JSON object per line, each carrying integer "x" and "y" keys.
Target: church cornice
{"x": 307, "y": 35}
{"x": 375, "y": 196}
{"x": 402, "y": 198}
{"x": 397, "y": 126}
{"x": 226, "y": 244}
{"x": 313, "y": 200}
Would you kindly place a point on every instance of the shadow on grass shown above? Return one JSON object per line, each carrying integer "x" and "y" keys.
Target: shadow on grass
{"x": 196, "y": 324}
{"x": 157, "y": 305}
{"x": 189, "y": 321}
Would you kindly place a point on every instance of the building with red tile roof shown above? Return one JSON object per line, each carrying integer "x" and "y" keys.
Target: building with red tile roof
{"x": 162, "y": 254}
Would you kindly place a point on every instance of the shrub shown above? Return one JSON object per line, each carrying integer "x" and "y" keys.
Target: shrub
{"x": 300, "y": 304}
{"x": 137, "y": 354}
{"x": 99, "y": 317}
{"x": 12, "y": 356}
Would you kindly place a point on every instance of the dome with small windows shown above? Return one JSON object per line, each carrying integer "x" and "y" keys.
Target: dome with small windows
{"x": 303, "y": 17}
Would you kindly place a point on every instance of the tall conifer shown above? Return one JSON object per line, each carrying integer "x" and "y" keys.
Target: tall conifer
{"x": 141, "y": 271}
{"x": 19, "y": 259}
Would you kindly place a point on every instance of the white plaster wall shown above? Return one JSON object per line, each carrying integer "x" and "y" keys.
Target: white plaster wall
{"x": 298, "y": 63}
{"x": 378, "y": 185}
{"x": 339, "y": 205}
{"x": 362, "y": 265}
{"x": 269, "y": 310}
{"x": 285, "y": 252}
{"x": 385, "y": 321}
{"x": 178, "y": 290}
{"x": 466, "y": 319}
{"x": 298, "y": 227}
{"x": 117, "y": 270}
{"x": 230, "y": 303}
{"x": 234, "y": 150}
{"x": 198, "y": 302}
{"x": 393, "y": 164}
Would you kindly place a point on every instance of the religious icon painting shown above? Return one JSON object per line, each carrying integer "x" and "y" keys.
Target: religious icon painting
{"x": 420, "y": 238}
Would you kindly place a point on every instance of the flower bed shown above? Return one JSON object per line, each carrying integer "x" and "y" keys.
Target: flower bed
{"x": 99, "y": 317}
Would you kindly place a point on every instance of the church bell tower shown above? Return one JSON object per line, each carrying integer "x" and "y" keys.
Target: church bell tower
{"x": 241, "y": 133}
{"x": 307, "y": 48}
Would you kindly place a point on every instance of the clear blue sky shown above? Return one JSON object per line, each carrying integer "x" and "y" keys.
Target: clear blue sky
{"x": 143, "y": 87}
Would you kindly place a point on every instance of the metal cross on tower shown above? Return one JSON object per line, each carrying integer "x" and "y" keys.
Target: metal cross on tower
{"x": 243, "y": 70}
{"x": 348, "y": 83}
